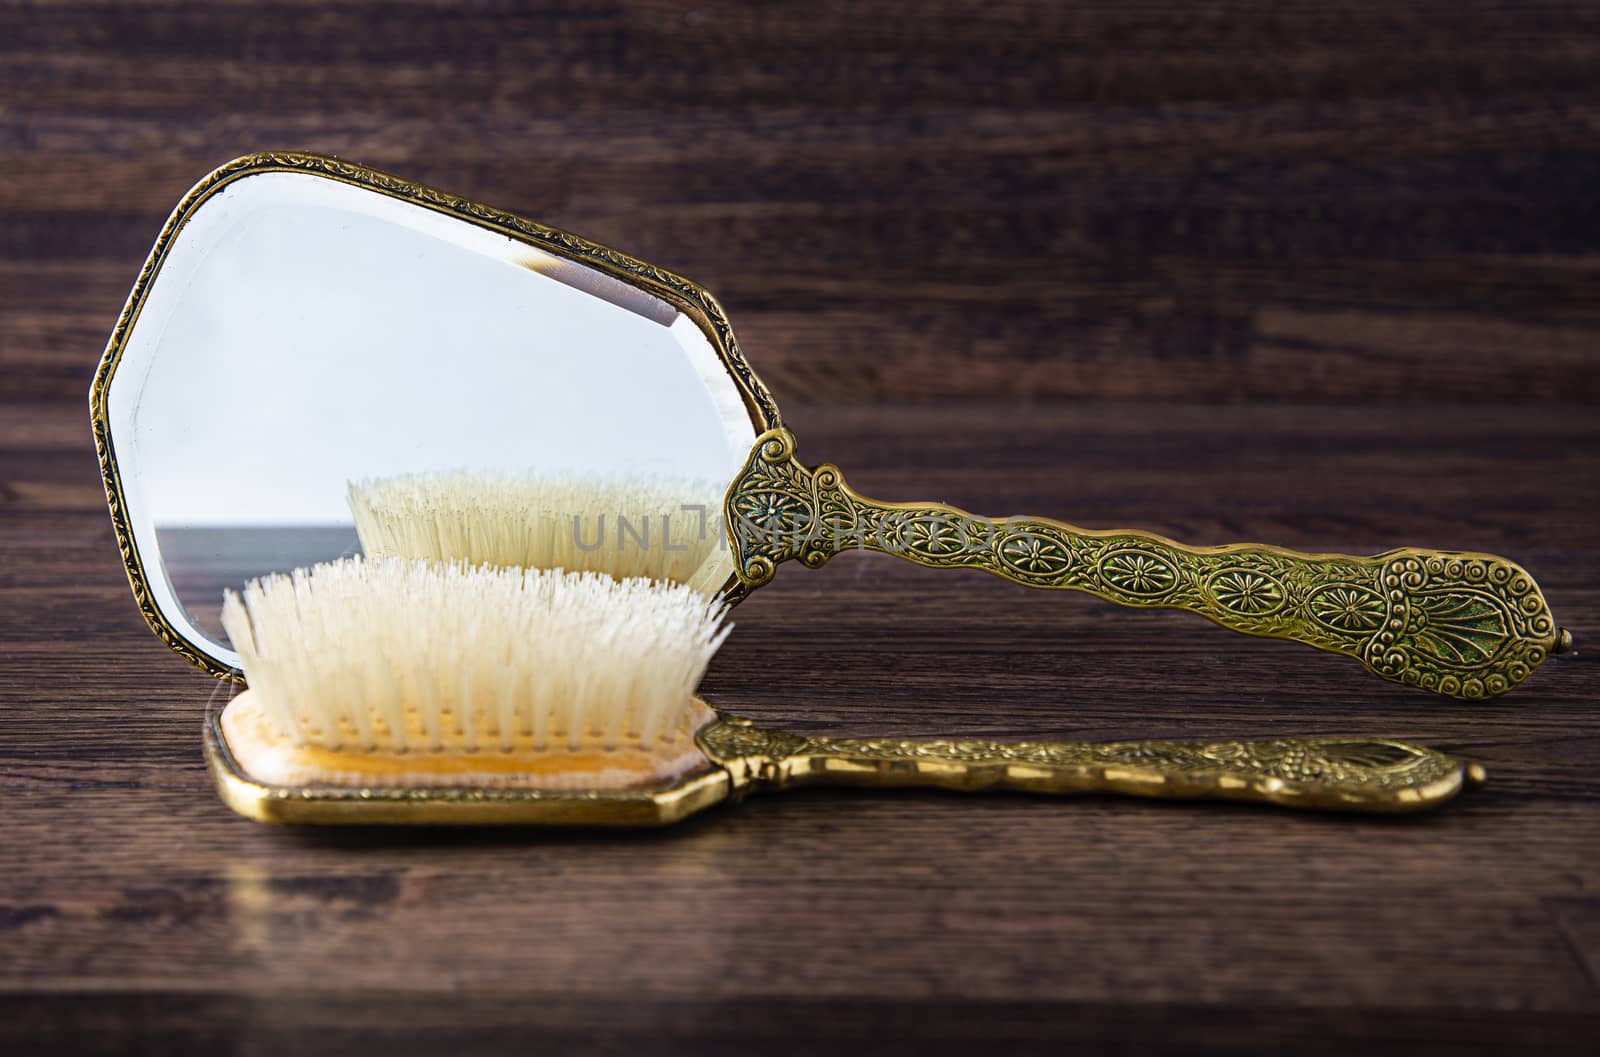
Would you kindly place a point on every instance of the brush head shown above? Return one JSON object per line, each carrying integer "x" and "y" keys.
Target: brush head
{"x": 416, "y": 673}
{"x": 658, "y": 528}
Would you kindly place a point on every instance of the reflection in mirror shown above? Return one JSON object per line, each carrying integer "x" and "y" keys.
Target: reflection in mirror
{"x": 651, "y": 527}
{"x": 307, "y": 343}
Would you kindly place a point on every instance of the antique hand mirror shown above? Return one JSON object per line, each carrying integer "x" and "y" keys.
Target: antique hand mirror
{"x": 304, "y": 323}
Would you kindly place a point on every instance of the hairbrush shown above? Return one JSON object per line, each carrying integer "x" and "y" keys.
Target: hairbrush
{"x": 418, "y": 691}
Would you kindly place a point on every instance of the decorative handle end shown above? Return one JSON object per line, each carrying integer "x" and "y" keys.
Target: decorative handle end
{"x": 1464, "y": 625}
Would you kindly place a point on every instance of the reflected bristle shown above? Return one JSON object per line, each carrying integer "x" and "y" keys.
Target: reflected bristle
{"x": 657, "y": 528}
{"x": 397, "y": 656}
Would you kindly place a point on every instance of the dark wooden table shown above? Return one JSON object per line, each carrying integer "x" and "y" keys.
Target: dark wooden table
{"x": 1319, "y": 274}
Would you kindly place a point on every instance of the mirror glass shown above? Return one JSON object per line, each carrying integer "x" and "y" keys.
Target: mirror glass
{"x": 311, "y": 349}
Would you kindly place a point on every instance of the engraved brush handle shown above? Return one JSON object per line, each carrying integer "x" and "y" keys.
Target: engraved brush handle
{"x": 1459, "y": 624}
{"x": 1342, "y": 774}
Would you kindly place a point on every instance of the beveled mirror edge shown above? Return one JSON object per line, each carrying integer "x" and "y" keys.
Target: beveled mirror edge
{"x": 690, "y": 298}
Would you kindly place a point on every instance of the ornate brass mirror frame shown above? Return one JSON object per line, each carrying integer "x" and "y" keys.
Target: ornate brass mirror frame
{"x": 1464, "y": 625}
{"x": 688, "y": 297}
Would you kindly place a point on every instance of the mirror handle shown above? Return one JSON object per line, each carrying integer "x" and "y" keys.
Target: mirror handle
{"x": 1460, "y": 624}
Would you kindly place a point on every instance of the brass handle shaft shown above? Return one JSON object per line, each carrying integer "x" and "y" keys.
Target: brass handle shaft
{"x": 1342, "y": 774}
{"x": 1460, "y": 624}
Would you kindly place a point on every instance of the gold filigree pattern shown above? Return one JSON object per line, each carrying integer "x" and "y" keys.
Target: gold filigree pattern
{"x": 1345, "y": 607}
{"x": 1246, "y": 592}
{"x": 1139, "y": 573}
{"x": 1363, "y": 774}
{"x": 1463, "y": 625}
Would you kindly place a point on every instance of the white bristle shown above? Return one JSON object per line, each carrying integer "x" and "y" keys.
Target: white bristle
{"x": 343, "y": 653}
{"x": 656, "y": 528}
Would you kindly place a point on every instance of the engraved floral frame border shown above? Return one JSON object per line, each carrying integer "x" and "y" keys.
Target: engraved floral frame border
{"x": 688, "y": 297}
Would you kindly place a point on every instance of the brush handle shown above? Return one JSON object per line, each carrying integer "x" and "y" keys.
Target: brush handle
{"x": 1341, "y": 774}
{"x": 1459, "y": 624}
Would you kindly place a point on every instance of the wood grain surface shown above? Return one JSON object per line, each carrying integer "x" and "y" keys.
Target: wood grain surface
{"x": 1320, "y": 274}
